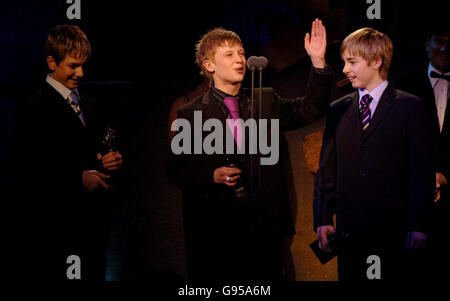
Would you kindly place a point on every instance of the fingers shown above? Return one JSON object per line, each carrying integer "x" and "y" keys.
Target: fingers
{"x": 111, "y": 157}
{"x": 227, "y": 175}
{"x": 437, "y": 196}
{"x": 323, "y": 239}
{"x": 103, "y": 184}
{"x": 93, "y": 179}
{"x": 231, "y": 181}
{"x": 102, "y": 175}
{"x": 112, "y": 161}
{"x": 313, "y": 29}
{"x": 229, "y": 171}
{"x": 113, "y": 165}
{"x": 230, "y": 184}
{"x": 323, "y": 242}
{"x": 317, "y": 28}
{"x": 307, "y": 38}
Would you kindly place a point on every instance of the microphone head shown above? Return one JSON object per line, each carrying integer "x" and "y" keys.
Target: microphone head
{"x": 261, "y": 63}
{"x": 252, "y": 63}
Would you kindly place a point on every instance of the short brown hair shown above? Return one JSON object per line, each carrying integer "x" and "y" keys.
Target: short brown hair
{"x": 66, "y": 40}
{"x": 206, "y": 47}
{"x": 369, "y": 43}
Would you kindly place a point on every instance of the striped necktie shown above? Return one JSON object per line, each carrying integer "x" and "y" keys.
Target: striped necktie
{"x": 364, "y": 111}
{"x": 74, "y": 103}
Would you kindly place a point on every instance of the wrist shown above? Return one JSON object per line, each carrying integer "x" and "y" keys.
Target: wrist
{"x": 318, "y": 62}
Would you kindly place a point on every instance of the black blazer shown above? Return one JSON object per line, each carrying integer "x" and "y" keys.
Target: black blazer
{"x": 53, "y": 215}
{"x": 210, "y": 207}
{"x": 380, "y": 185}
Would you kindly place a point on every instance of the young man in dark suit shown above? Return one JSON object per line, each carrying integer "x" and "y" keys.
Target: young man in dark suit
{"x": 229, "y": 237}
{"x": 62, "y": 179}
{"x": 375, "y": 172}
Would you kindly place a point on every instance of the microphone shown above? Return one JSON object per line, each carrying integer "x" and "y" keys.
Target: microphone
{"x": 261, "y": 63}
{"x": 252, "y": 63}
{"x": 257, "y": 62}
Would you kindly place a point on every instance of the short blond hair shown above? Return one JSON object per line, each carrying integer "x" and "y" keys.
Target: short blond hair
{"x": 66, "y": 40}
{"x": 208, "y": 43}
{"x": 369, "y": 43}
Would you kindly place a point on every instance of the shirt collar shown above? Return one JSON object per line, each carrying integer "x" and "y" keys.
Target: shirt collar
{"x": 375, "y": 93}
{"x": 63, "y": 90}
{"x": 220, "y": 95}
{"x": 432, "y": 79}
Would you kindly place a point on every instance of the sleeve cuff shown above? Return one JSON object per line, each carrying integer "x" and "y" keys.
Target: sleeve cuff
{"x": 322, "y": 71}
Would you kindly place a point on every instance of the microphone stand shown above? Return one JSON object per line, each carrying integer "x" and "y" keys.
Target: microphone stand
{"x": 251, "y": 66}
{"x": 259, "y": 63}
{"x": 262, "y": 64}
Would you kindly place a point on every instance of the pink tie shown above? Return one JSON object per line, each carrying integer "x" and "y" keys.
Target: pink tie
{"x": 232, "y": 103}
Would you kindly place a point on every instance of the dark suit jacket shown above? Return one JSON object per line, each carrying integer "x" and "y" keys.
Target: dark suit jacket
{"x": 54, "y": 216}
{"x": 380, "y": 185}
{"x": 211, "y": 208}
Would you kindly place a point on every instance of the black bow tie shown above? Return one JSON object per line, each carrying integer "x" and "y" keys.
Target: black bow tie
{"x": 438, "y": 75}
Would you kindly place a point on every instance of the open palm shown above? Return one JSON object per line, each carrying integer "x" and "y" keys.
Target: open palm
{"x": 316, "y": 43}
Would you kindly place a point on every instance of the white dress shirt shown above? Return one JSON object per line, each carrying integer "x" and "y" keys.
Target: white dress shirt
{"x": 440, "y": 88}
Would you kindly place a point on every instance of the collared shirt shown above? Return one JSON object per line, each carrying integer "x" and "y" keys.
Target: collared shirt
{"x": 220, "y": 96}
{"x": 65, "y": 93}
{"x": 376, "y": 96}
{"x": 63, "y": 90}
{"x": 440, "y": 88}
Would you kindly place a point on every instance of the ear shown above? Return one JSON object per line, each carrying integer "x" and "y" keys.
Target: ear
{"x": 209, "y": 65}
{"x": 376, "y": 63}
{"x": 51, "y": 63}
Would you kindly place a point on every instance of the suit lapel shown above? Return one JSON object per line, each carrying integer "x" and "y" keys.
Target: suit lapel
{"x": 211, "y": 108}
{"x": 63, "y": 105}
{"x": 245, "y": 106}
{"x": 383, "y": 108}
{"x": 87, "y": 107}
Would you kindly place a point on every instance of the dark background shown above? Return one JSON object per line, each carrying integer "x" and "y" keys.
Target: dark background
{"x": 144, "y": 58}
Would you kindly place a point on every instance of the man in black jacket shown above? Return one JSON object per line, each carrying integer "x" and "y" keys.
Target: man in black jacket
{"x": 375, "y": 171}
{"x": 230, "y": 236}
{"x": 61, "y": 177}
{"x": 431, "y": 83}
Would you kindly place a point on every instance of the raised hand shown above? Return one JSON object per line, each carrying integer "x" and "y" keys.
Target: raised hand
{"x": 316, "y": 44}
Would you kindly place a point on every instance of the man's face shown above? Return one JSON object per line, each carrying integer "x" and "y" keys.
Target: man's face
{"x": 360, "y": 73}
{"x": 229, "y": 64}
{"x": 438, "y": 49}
{"x": 68, "y": 72}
